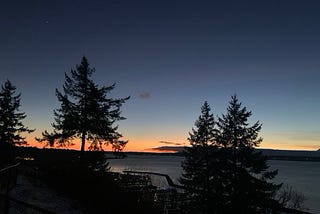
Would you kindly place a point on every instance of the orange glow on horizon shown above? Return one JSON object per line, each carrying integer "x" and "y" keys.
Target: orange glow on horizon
{"x": 288, "y": 146}
{"x": 136, "y": 145}
{"x": 150, "y": 145}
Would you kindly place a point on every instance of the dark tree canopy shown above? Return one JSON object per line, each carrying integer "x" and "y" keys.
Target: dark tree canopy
{"x": 11, "y": 126}
{"x": 235, "y": 130}
{"x": 223, "y": 172}
{"x": 86, "y": 112}
{"x": 200, "y": 164}
{"x": 205, "y": 132}
{"x": 248, "y": 185}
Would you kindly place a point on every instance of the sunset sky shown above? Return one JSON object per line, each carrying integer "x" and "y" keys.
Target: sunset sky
{"x": 171, "y": 56}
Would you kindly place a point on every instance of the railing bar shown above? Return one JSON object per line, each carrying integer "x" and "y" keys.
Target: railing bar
{"x": 9, "y": 167}
{"x": 169, "y": 180}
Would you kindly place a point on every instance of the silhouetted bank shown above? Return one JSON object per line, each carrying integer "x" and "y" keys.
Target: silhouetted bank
{"x": 271, "y": 154}
{"x": 101, "y": 191}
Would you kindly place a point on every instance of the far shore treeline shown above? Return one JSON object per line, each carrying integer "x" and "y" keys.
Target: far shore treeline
{"x": 270, "y": 154}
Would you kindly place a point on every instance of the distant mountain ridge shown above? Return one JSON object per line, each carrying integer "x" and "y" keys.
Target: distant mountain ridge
{"x": 315, "y": 153}
{"x": 299, "y": 155}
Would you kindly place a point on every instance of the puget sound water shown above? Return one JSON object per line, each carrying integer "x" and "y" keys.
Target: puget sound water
{"x": 303, "y": 176}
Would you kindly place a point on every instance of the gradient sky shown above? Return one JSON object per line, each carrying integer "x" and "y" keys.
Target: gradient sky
{"x": 171, "y": 56}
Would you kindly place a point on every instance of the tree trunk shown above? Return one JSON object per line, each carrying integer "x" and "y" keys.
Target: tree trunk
{"x": 83, "y": 141}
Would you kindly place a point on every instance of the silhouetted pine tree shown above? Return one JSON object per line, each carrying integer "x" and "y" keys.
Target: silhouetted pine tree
{"x": 86, "y": 112}
{"x": 11, "y": 126}
{"x": 247, "y": 185}
{"x": 201, "y": 175}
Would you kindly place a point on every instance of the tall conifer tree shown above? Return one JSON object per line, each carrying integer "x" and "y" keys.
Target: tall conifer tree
{"x": 223, "y": 173}
{"x": 11, "y": 126}
{"x": 247, "y": 185}
{"x": 86, "y": 112}
{"x": 200, "y": 165}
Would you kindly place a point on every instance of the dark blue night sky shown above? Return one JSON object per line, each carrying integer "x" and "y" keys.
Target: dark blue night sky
{"x": 171, "y": 56}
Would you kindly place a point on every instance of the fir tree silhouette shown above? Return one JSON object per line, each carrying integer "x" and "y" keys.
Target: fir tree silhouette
{"x": 86, "y": 113}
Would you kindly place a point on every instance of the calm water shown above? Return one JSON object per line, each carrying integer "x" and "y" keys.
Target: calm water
{"x": 303, "y": 176}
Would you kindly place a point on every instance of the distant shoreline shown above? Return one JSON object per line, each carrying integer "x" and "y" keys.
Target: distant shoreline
{"x": 288, "y": 155}
{"x": 271, "y": 154}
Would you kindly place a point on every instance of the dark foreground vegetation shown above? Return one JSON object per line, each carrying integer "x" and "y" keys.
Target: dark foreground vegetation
{"x": 88, "y": 181}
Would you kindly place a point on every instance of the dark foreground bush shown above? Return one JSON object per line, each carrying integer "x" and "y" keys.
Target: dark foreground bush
{"x": 96, "y": 191}
{"x": 84, "y": 180}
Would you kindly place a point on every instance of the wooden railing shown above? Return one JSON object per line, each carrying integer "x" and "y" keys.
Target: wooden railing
{"x": 167, "y": 177}
{"x": 8, "y": 179}
{"x": 170, "y": 198}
